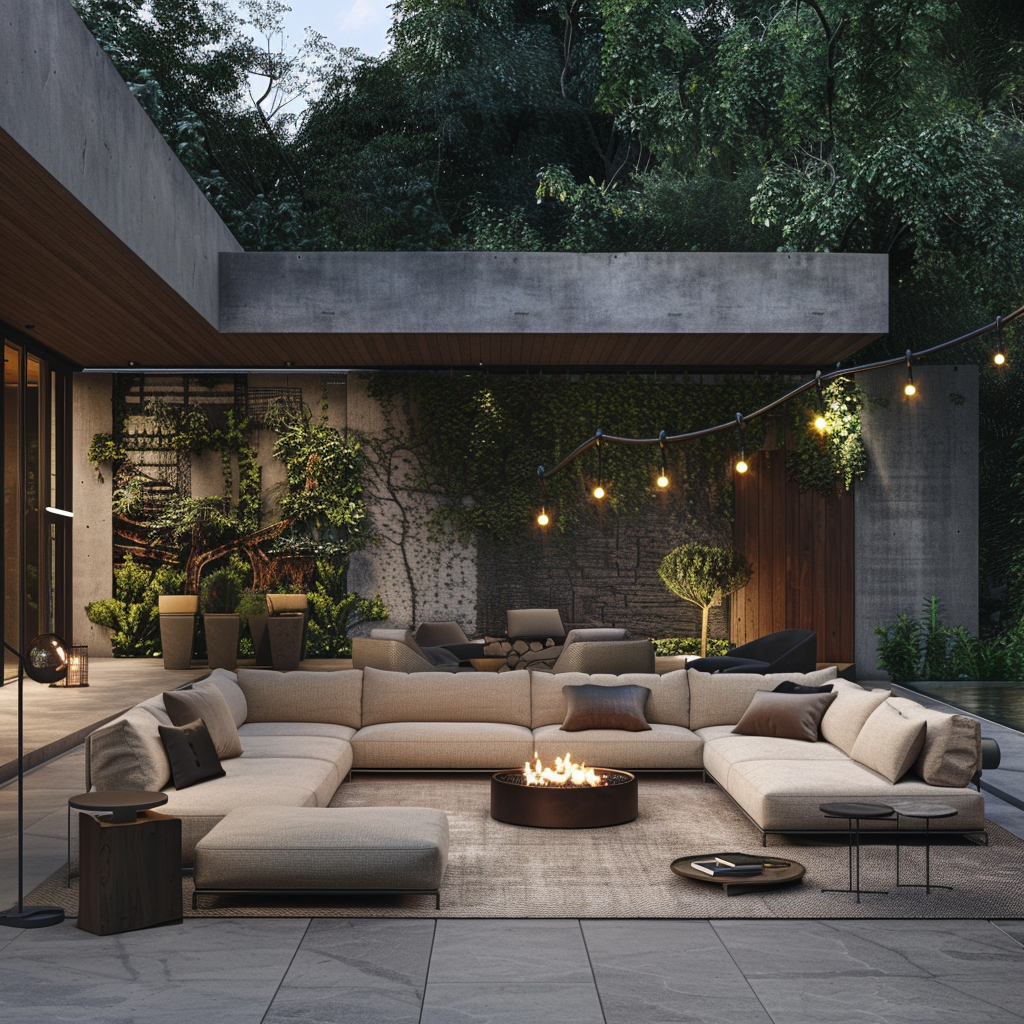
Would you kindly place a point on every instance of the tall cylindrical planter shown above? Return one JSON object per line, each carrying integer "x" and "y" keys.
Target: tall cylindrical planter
{"x": 285, "y": 604}
{"x": 260, "y": 637}
{"x": 222, "y": 631}
{"x": 177, "y": 628}
{"x": 286, "y": 640}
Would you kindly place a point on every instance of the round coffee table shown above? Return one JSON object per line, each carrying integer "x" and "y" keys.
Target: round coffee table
{"x": 927, "y": 810}
{"x": 792, "y": 872}
{"x": 855, "y": 813}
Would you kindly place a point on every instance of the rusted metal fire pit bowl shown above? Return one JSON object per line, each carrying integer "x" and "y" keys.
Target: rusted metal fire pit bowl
{"x": 569, "y": 806}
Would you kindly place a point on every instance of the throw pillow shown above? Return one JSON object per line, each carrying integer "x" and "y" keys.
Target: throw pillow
{"x": 184, "y": 706}
{"x": 605, "y": 707}
{"x": 191, "y": 753}
{"x": 952, "y": 745}
{"x": 889, "y": 742}
{"x": 846, "y": 716}
{"x": 792, "y": 716}
{"x": 790, "y": 687}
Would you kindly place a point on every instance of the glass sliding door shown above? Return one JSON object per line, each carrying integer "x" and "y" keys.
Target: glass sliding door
{"x": 12, "y": 504}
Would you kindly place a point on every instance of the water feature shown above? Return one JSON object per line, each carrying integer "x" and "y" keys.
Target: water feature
{"x": 998, "y": 702}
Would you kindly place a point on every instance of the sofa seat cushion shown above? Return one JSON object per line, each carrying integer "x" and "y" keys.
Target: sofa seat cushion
{"x": 721, "y": 699}
{"x": 724, "y": 751}
{"x": 481, "y": 745}
{"x": 783, "y": 794}
{"x": 319, "y": 748}
{"x": 339, "y": 732}
{"x": 664, "y": 747}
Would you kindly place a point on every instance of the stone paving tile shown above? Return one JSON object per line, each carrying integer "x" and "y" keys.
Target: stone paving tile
{"x": 221, "y": 971}
{"x": 43, "y": 856}
{"x": 502, "y": 950}
{"x": 539, "y": 1002}
{"x": 371, "y": 971}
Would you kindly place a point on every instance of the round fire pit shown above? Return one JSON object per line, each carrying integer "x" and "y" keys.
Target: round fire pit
{"x": 567, "y": 806}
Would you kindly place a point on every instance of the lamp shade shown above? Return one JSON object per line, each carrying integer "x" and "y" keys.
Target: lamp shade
{"x": 46, "y": 658}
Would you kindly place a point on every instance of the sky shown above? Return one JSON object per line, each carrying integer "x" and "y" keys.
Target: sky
{"x": 360, "y": 23}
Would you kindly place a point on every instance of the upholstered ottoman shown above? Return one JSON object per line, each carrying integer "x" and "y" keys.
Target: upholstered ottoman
{"x": 323, "y": 850}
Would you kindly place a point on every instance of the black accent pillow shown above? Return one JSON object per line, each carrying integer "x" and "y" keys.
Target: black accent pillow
{"x": 790, "y": 687}
{"x": 605, "y": 707}
{"x": 192, "y": 754}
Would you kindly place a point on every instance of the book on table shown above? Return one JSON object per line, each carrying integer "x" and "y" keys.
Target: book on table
{"x": 735, "y": 860}
{"x": 710, "y": 866}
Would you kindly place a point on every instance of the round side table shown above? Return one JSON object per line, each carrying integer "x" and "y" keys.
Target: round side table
{"x": 926, "y": 810}
{"x": 855, "y": 813}
{"x": 123, "y": 804}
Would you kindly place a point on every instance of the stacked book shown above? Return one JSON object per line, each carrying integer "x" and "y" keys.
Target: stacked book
{"x": 736, "y": 865}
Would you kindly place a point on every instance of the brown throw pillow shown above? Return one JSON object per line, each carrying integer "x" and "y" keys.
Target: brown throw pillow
{"x": 605, "y": 707}
{"x": 792, "y": 716}
{"x": 191, "y": 753}
{"x": 209, "y": 704}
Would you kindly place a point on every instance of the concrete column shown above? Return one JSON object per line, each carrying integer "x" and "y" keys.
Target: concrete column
{"x": 91, "y": 530}
{"x": 917, "y": 511}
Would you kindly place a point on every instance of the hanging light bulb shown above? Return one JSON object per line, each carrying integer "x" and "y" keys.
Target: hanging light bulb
{"x": 598, "y": 491}
{"x": 909, "y": 389}
{"x": 819, "y": 424}
{"x": 1000, "y": 354}
{"x": 741, "y": 462}
{"x": 542, "y": 519}
{"x": 662, "y": 480}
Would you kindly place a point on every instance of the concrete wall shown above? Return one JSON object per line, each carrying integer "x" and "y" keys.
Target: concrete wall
{"x": 917, "y": 510}
{"x": 603, "y": 293}
{"x": 91, "y": 539}
{"x": 64, "y": 103}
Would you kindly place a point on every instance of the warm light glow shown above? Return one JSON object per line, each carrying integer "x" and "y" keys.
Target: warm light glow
{"x": 741, "y": 466}
{"x": 999, "y": 359}
{"x": 565, "y": 771}
{"x": 542, "y": 519}
{"x": 910, "y": 390}
{"x": 599, "y": 492}
{"x": 820, "y": 424}
{"x": 663, "y": 480}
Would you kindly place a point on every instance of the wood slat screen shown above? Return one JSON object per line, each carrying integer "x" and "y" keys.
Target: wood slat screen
{"x": 801, "y": 548}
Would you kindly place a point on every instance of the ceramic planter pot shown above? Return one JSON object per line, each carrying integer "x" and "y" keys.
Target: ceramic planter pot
{"x": 222, "y": 630}
{"x": 286, "y": 640}
{"x": 177, "y": 628}
{"x": 260, "y": 637}
{"x": 286, "y": 604}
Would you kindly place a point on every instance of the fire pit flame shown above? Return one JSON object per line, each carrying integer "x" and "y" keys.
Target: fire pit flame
{"x": 565, "y": 772}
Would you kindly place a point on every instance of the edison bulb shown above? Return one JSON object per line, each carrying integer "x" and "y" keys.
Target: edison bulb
{"x": 820, "y": 424}
{"x": 910, "y": 390}
{"x": 599, "y": 492}
{"x": 741, "y": 466}
{"x": 542, "y": 519}
{"x": 663, "y": 480}
{"x": 999, "y": 359}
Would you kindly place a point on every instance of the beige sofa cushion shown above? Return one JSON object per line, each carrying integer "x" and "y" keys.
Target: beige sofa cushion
{"x": 227, "y": 683}
{"x": 128, "y": 754}
{"x": 320, "y": 748}
{"x": 721, "y": 698}
{"x": 668, "y": 704}
{"x": 889, "y": 742}
{"x": 332, "y": 697}
{"x": 184, "y": 706}
{"x": 847, "y": 714}
{"x": 664, "y": 747}
{"x": 446, "y": 697}
{"x": 424, "y": 745}
{"x": 338, "y": 732}
{"x": 952, "y": 745}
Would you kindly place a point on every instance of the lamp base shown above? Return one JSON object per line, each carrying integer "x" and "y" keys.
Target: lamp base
{"x": 32, "y": 917}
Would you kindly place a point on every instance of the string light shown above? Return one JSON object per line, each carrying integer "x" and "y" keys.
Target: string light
{"x": 909, "y": 390}
{"x": 598, "y": 491}
{"x": 662, "y": 480}
{"x": 820, "y": 423}
{"x": 1000, "y": 355}
{"x": 741, "y": 463}
{"x": 542, "y": 519}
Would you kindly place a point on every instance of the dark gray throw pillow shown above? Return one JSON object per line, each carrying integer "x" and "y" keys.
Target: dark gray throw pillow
{"x": 192, "y": 754}
{"x": 605, "y": 707}
{"x": 793, "y": 716}
{"x": 790, "y": 687}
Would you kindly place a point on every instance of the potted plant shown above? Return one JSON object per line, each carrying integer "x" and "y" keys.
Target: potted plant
{"x": 252, "y": 611}
{"x": 177, "y": 628}
{"x": 221, "y": 620}
{"x": 286, "y": 628}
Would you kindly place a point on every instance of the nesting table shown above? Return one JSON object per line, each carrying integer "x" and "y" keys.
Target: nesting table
{"x": 855, "y": 813}
{"x": 926, "y": 810}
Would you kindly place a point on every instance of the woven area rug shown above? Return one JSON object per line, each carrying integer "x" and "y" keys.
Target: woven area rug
{"x": 500, "y": 870}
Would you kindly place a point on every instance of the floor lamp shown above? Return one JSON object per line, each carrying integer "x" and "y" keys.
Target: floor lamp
{"x": 46, "y": 661}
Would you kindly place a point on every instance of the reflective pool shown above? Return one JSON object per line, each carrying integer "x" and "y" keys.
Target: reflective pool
{"x": 998, "y": 702}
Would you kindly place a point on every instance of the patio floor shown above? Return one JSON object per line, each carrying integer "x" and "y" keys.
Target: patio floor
{"x": 454, "y": 971}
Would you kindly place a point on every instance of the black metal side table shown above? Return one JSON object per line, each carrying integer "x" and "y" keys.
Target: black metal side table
{"x": 926, "y": 810}
{"x": 855, "y": 813}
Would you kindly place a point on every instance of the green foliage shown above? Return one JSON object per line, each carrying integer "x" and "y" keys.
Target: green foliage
{"x": 334, "y": 611}
{"x": 221, "y": 591}
{"x": 703, "y": 575}
{"x": 668, "y": 646}
{"x": 132, "y": 614}
{"x": 899, "y": 649}
{"x": 104, "y": 448}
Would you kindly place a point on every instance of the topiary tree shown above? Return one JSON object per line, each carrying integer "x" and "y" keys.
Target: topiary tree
{"x": 703, "y": 575}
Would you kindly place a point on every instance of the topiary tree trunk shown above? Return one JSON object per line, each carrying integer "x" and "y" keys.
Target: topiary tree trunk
{"x": 703, "y": 575}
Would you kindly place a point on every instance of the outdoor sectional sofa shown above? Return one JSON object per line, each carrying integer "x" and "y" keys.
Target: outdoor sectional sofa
{"x": 302, "y": 732}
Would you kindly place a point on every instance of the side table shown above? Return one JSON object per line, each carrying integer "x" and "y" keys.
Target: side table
{"x": 926, "y": 810}
{"x": 130, "y": 862}
{"x": 855, "y": 813}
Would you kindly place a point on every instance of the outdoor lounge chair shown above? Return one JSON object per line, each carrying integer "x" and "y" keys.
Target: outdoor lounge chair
{"x": 789, "y": 650}
{"x": 606, "y": 657}
{"x": 450, "y": 636}
{"x": 550, "y": 658}
{"x": 396, "y": 650}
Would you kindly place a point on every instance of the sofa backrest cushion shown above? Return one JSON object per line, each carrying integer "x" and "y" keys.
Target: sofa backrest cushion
{"x": 227, "y": 683}
{"x": 128, "y": 754}
{"x": 722, "y": 698}
{"x": 668, "y": 704}
{"x": 331, "y": 697}
{"x": 889, "y": 741}
{"x": 447, "y": 697}
{"x": 952, "y": 745}
{"x": 847, "y": 714}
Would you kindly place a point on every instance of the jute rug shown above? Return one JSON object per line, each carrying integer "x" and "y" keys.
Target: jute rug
{"x": 500, "y": 870}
